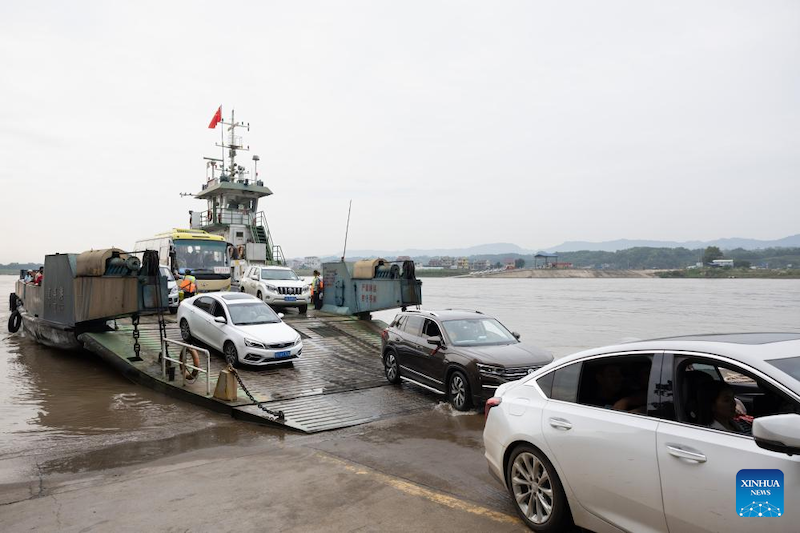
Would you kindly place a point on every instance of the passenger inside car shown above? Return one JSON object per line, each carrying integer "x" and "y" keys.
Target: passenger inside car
{"x": 608, "y": 380}
{"x": 717, "y": 409}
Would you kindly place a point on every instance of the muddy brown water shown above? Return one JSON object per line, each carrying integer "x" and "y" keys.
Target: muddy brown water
{"x": 67, "y": 411}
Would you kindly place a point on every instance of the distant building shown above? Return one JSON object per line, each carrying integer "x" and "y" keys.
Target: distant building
{"x": 561, "y": 265}
{"x": 480, "y": 264}
{"x": 435, "y": 262}
{"x": 722, "y": 263}
{"x": 403, "y": 258}
{"x": 463, "y": 263}
{"x": 447, "y": 261}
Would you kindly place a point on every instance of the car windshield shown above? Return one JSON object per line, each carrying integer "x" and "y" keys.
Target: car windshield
{"x": 208, "y": 256}
{"x": 269, "y": 273}
{"x": 477, "y": 332}
{"x": 790, "y": 365}
{"x": 166, "y": 273}
{"x": 252, "y": 313}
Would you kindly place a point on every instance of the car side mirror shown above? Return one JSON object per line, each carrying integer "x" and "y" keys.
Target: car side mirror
{"x": 220, "y": 320}
{"x": 254, "y": 277}
{"x": 436, "y": 341}
{"x": 778, "y": 433}
{"x": 280, "y": 315}
{"x": 516, "y": 335}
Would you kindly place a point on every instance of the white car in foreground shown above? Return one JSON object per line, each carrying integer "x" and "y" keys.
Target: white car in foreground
{"x": 276, "y": 285}
{"x": 686, "y": 434}
{"x": 242, "y": 327}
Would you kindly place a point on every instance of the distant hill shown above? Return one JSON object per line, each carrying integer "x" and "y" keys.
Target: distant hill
{"x": 513, "y": 250}
{"x": 725, "y": 244}
{"x": 481, "y": 249}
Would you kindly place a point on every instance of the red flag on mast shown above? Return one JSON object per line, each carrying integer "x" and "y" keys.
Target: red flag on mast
{"x": 216, "y": 119}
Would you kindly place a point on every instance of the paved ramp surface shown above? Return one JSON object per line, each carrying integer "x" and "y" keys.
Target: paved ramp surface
{"x": 337, "y": 382}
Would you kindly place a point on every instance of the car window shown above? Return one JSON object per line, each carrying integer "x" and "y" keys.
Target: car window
{"x": 546, "y": 383}
{"x": 248, "y": 314}
{"x": 616, "y": 382}
{"x": 219, "y": 311}
{"x": 565, "y": 383}
{"x": 728, "y": 404}
{"x": 399, "y": 321}
{"x": 275, "y": 274}
{"x": 413, "y": 325}
{"x": 204, "y": 303}
{"x": 431, "y": 329}
{"x": 477, "y": 332}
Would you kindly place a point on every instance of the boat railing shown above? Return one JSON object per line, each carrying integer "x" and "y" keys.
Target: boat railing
{"x": 164, "y": 359}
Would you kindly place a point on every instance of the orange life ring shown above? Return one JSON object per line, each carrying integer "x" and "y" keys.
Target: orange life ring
{"x": 189, "y": 374}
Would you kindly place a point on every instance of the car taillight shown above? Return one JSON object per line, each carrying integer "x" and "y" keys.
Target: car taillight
{"x": 491, "y": 402}
{"x": 385, "y": 335}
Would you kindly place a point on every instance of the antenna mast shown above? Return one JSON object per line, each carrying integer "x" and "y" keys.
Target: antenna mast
{"x": 344, "y": 252}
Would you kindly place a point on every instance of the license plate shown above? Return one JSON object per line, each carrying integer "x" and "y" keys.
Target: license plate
{"x": 291, "y": 298}
{"x": 285, "y": 353}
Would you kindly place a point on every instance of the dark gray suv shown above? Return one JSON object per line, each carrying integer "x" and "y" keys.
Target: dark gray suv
{"x": 465, "y": 355}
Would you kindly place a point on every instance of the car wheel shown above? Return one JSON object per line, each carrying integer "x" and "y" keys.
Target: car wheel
{"x": 173, "y": 310}
{"x": 231, "y": 355}
{"x": 536, "y": 490}
{"x": 241, "y": 289}
{"x": 259, "y": 295}
{"x": 303, "y": 309}
{"x": 458, "y": 386}
{"x": 391, "y": 368}
{"x": 186, "y": 333}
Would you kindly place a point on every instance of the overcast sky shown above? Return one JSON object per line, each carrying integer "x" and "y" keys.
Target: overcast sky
{"x": 448, "y": 124}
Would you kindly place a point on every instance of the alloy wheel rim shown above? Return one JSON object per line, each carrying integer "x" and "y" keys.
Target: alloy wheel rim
{"x": 533, "y": 490}
{"x": 230, "y": 355}
{"x": 457, "y": 390}
{"x": 185, "y": 330}
{"x": 391, "y": 367}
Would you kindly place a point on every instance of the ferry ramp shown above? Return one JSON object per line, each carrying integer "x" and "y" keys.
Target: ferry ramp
{"x": 337, "y": 382}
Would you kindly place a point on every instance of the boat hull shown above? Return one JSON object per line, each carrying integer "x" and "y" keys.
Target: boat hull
{"x": 49, "y": 334}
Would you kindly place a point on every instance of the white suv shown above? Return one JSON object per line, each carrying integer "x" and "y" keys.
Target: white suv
{"x": 277, "y": 286}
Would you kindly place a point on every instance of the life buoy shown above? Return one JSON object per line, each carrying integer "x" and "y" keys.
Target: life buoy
{"x": 189, "y": 374}
{"x": 240, "y": 249}
{"x": 12, "y": 302}
{"x": 14, "y": 321}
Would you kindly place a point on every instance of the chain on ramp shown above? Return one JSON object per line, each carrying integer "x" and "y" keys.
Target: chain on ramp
{"x": 278, "y": 415}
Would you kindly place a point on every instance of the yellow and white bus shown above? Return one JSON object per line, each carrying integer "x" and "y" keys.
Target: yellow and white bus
{"x": 205, "y": 254}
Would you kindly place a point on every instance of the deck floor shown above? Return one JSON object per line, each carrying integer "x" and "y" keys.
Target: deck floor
{"x": 337, "y": 382}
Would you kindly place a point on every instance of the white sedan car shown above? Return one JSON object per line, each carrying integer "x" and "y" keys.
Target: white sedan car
{"x": 686, "y": 434}
{"x": 242, "y": 327}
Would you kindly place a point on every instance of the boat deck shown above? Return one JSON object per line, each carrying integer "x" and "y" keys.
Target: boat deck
{"x": 337, "y": 382}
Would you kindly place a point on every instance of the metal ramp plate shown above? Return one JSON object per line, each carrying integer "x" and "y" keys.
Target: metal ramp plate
{"x": 331, "y": 411}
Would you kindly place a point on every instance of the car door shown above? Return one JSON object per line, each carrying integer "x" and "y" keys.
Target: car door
{"x": 218, "y": 332}
{"x": 607, "y": 456}
{"x": 409, "y": 338}
{"x": 700, "y": 465}
{"x": 428, "y": 359}
{"x": 201, "y": 323}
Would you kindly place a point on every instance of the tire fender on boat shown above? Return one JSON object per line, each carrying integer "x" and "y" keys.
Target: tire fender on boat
{"x": 13, "y": 302}
{"x": 190, "y": 374}
{"x": 14, "y": 321}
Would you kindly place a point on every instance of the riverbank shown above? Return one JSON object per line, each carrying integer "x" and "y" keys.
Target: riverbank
{"x": 728, "y": 273}
{"x": 567, "y": 273}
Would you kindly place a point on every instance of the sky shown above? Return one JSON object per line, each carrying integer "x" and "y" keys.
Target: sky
{"x": 447, "y": 123}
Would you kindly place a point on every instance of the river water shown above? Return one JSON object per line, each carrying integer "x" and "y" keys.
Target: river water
{"x": 56, "y": 406}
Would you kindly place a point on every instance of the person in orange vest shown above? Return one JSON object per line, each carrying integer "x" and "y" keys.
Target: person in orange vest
{"x": 188, "y": 284}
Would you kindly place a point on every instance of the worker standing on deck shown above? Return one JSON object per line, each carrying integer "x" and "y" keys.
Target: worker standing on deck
{"x": 188, "y": 284}
{"x": 316, "y": 290}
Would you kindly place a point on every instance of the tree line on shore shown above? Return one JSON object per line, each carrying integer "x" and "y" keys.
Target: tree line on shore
{"x": 665, "y": 258}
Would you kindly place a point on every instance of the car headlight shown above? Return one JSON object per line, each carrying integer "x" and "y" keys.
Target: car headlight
{"x": 307, "y": 288}
{"x": 173, "y": 291}
{"x": 272, "y": 288}
{"x": 297, "y": 340}
{"x": 491, "y": 370}
{"x": 254, "y": 344}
